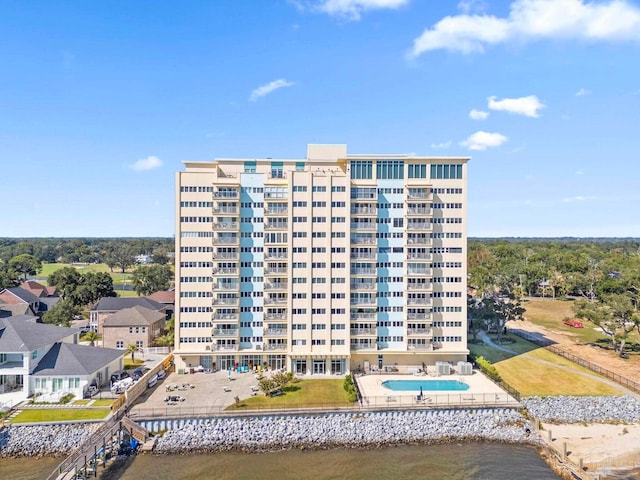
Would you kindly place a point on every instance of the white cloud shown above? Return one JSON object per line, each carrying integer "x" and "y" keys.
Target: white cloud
{"x": 268, "y": 88}
{"x": 478, "y": 115}
{"x": 483, "y": 140}
{"x": 148, "y": 163}
{"x": 530, "y": 20}
{"x": 468, "y": 6}
{"x": 583, "y": 92}
{"x": 349, "y": 9}
{"x": 441, "y": 145}
{"x": 527, "y": 106}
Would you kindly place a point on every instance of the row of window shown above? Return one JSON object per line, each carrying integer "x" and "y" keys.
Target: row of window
{"x": 196, "y": 219}
{"x": 189, "y": 189}
{"x": 196, "y": 264}
{"x": 196, "y": 204}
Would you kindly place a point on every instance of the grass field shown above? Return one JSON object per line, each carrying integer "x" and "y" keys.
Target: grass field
{"x": 59, "y": 414}
{"x": 102, "y": 402}
{"x": 119, "y": 279}
{"x": 302, "y": 394}
{"x": 551, "y": 313}
{"x": 531, "y": 377}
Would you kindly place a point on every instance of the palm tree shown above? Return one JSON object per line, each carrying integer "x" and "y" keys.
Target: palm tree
{"x": 132, "y": 348}
{"x": 91, "y": 336}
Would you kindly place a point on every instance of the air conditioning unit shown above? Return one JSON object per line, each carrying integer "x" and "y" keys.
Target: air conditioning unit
{"x": 208, "y": 348}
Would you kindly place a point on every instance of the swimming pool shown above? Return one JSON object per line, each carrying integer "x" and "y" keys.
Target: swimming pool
{"x": 427, "y": 385}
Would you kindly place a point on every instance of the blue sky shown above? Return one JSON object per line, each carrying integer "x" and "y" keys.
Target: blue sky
{"x": 101, "y": 102}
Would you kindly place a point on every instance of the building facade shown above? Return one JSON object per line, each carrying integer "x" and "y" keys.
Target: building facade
{"x": 321, "y": 265}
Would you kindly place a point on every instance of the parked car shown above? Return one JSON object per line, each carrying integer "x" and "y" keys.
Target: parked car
{"x": 139, "y": 372}
{"x": 161, "y": 374}
{"x": 119, "y": 375}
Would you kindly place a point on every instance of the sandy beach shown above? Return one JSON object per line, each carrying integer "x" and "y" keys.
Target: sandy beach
{"x": 599, "y": 445}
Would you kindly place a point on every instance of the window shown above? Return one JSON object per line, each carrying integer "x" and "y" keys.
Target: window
{"x": 299, "y": 166}
{"x": 34, "y": 354}
{"x": 119, "y": 344}
{"x": 417, "y": 170}
{"x": 319, "y": 188}
{"x": 139, "y": 344}
{"x": 393, "y": 169}
{"x": 250, "y": 167}
{"x": 74, "y": 382}
{"x": 336, "y": 188}
{"x": 58, "y": 384}
{"x": 361, "y": 169}
{"x": 440, "y": 171}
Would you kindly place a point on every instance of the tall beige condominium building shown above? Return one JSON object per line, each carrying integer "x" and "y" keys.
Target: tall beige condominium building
{"x": 321, "y": 265}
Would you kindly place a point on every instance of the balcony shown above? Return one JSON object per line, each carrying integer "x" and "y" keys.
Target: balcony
{"x": 416, "y": 194}
{"x": 363, "y": 331}
{"x": 226, "y": 286}
{"x": 363, "y": 316}
{"x": 225, "y": 346}
{"x": 418, "y": 226}
{"x": 363, "y": 271}
{"x": 364, "y": 210}
{"x": 218, "y": 302}
{"x": 226, "y": 226}
{"x": 363, "y": 301}
{"x": 276, "y": 286}
{"x": 363, "y": 286}
{"x": 275, "y": 332}
{"x": 363, "y": 240}
{"x": 226, "y": 210}
{"x": 271, "y": 315}
{"x": 422, "y": 272}
{"x": 363, "y": 255}
{"x": 220, "y": 317}
{"x": 276, "y": 210}
{"x": 276, "y": 226}
{"x": 418, "y": 316}
{"x": 225, "y": 332}
{"x": 419, "y": 286}
{"x": 275, "y": 346}
{"x": 418, "y": 301}
{"x": 420, "y": 332}
{"x": 419, "y": 211}
{"x": 225, "y": 271}
{"x": 275, "y": 256}
{"x": 231, "y": 194}
{"x": 225, "y": 256}
{"x": 364, "y": 346}
{"x": 421, "y": 347}
{"x": 364, "y": 226}
{"x": 419, "y": 256}
{"x": 226, "y": 240}
{"x": 275, "y": 301}
{"x": 275, "y": 270}
{"x": 419, "y": 241}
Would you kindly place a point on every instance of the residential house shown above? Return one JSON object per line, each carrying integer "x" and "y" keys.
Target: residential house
{"x": 137, "y": 325}
{"x": 110, "y": 305}
{"x": 167, "y": 298}
{"x": 46, "y": 360}
{"x": 47, "y": 294}
{"x": 30, "y": 298}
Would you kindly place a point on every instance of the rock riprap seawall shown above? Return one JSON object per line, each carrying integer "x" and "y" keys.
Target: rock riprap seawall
{"x": 351, "y": 430}
{"x": 565, "y": 409}
{"x": 41, "y": 440}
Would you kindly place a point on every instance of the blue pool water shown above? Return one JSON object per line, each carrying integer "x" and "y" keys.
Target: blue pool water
{"x": 427, "y": 385}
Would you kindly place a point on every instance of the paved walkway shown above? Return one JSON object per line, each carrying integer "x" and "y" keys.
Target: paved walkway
{"x": 488, "y": 341}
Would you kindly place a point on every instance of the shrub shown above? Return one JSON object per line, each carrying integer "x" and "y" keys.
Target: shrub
{"x": 67, "y": 398}
{"x": 350, "y": 388}
{"x": 488, "y": 369}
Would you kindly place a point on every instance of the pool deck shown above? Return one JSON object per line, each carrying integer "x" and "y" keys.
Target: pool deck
{"x": 481, "y": 392}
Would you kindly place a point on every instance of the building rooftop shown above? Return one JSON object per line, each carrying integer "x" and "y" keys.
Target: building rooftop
{"x": 20, "y": 333}
{"x": 73, "y": 359}
{"x": 134, "y": 316}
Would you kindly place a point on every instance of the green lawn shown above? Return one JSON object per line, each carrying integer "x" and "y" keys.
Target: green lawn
{"x": 59, "y": 414}
{"x": 102, "y": 402}
{"x": 530, "y": 377}
{"x": 81, "y": 402}
{"x": 302, "y": 394}
{"x": 119, "y": 279}
{"x": 128, "y": 364}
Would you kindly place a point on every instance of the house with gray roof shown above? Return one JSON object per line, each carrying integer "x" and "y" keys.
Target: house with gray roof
{"x": 46, "y": 360}
{"x": 137, "y": 325}
{"x": 110, "y": 305}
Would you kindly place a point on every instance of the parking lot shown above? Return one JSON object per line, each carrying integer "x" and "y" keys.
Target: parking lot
{"x": 201, "y": 392}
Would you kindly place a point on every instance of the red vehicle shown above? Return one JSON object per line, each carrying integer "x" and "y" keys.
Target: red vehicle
{"x": 574, "y": 323}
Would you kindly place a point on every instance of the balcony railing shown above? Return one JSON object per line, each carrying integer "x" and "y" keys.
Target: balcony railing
{"x": 225, "y": 256}
{"x": 363, "y": 256}
{"x": 225, "y": 301}
{"x": 277, "y": 211}
{"x": 275, "y": 301}
{"x": 418, "y": 301}
{"x": 282, "y": 256}
{"x": 276, "y": 226}
{"x": 419, "y": 271}
{"x": 225, "y": 332}
{"x": 364, "y": 211}
{"x": 226, "y": 226}
{"x": 419, "y": 211}
{"x": 363, "y": 240}
{"x": 363, "y": 301}
{"x": 363, "y": 271}
{"x": 226, "y": 194}
{"x": 363, "y": 346}
{"x": 420, "y": 331}
{"x": 226, "y": 240}
{"x": 419, "y": 256}
{"x": 363, "y": 226}
{"x": 226, "y": 286}
{"x": 418, "y": 316}
{"x": 363, "y": 331}
{"x": 275, "y": 346}
{"x": 423, "y": 347}
{"x": 275, "y": 332}
{"x": 363, "y": 286}
{"x": 418, "y": 241}
{"x": 275, "y": 270}
{"x": 219, "y": 317}
{"x": 419, "y": 286}
{"x": 225, "y": 271}
{"x": 363, "y": 316}
{"x": 276, "y": 286}
{"x": 225, "y": 346}
{"x": 275, "y": 316}
{"x": 226, "y": 210}
{"x": 417, "y": 195}
{"x": 418, "y": 226}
